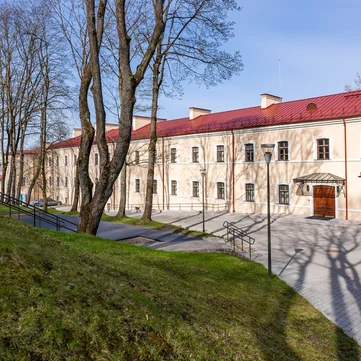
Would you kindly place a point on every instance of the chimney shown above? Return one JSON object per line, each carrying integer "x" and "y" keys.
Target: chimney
{"x": 76, "y": 132}
{"x": 110, "y": 126}
{"x": 269, "y": 99}
{"x": 140, "y": 121}
{"x": 196, "y": 112}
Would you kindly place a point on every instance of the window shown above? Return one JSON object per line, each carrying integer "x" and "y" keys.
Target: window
{"x": 220, "y": 153}
{"x": 136, "y": 157}
{"x": 155, "y": 186}
{"x": 173, "y": 187}
{"x": 57, "y": 161}
{"x": 57, "y": 181}
{"x": 323, "y": 148}
{"x": 249, "y": 192}
{"x": 23, "y": 183}
{"x": 220, "y": 190}
{"x": 283, "y": 150}
{"x": 283, "y": 194}
{"x": 249, "y": 152}
{"x": 66, "y": 181}
{"x": 66, "y": 160}
{"x": 75, "y": 159}
{"x": 155, "y": 155}
{"x": 173, "y": 155}
{"x": 49, "y": 161}
{"x": 195, "y": 192}
{"x": 137, "y": 185}
{"x": 96, "y": 159}
{"x": 195, "y": 155}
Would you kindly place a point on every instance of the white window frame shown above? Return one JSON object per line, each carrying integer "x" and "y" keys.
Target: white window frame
{"x": 216, "y": 190}
{"x": 191, "y": 154}
{"x": 170, "y": 154}
{"x": 199, "y": 190}
{"x": 170, "y": 188}
{"x": 156, "y": 193}
{"x": 277, "y": 199}
{"x": 244, "y": 198}
{"x": 135, "y": 185}
{"x": 315, "y": 139}
{"x": 276, "y": 155}
{"x": 215, "y": 153}
{"x": 244, "y": 151}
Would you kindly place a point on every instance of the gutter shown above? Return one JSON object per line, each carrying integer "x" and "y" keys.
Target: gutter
{"x": 346, "y": 182}
{"x": 233, "y": 175}
{"x": 163, "y": 171}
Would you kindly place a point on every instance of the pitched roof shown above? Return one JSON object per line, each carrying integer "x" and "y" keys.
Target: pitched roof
{"x": 298, "y": 111}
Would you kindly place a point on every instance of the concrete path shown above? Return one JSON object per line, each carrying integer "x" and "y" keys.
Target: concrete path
{"x": 119, "y": 232}
{"x": 320, "y": 259}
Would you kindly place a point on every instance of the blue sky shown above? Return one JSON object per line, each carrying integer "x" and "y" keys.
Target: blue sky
{"x": 318, "y": 43}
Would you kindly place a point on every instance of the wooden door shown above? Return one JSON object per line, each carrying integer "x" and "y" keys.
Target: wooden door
{"x": 324, "y": 201}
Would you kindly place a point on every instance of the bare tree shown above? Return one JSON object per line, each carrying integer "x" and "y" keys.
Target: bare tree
{"x": 195, "y": 32}
{"x": 357, "y": 85}
{"x": 92, "y": 205}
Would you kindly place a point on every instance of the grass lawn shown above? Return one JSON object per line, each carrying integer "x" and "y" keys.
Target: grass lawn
{"x": 76, "y": 297}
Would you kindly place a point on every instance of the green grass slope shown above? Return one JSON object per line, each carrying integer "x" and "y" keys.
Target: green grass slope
{"x": 74, "y": 297}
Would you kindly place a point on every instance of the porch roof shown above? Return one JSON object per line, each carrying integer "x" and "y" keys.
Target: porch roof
{"x": 319, "y": 178}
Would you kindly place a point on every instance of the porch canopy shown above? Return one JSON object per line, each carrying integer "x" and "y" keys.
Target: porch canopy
{"x": 318, "y": 178}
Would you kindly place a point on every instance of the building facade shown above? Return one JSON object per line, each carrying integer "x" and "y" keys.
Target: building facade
{"x": 314, "y": 168}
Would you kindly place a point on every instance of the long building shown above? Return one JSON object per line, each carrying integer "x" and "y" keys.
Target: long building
{"x": 314, "y": 170}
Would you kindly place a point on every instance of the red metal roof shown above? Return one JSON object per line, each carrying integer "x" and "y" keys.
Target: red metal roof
{"x": 328, "y": 107}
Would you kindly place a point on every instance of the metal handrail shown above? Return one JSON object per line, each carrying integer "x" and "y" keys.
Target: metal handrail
{"x": 236, "y": 232}
{"x": 35, "y": 212}
{"x": 182, "y": 206}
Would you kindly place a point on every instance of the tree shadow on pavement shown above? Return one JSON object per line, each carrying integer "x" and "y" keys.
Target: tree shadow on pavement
{"x": 338, "y": 245}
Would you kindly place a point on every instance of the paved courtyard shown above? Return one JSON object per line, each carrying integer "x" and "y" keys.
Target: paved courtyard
{"x": 321, "y": 259}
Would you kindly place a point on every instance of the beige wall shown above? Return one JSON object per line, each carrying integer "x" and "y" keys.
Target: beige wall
{"x": 302, "y": 161}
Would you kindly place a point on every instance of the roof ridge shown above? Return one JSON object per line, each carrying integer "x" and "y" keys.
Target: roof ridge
{"x": 322, "y": 96}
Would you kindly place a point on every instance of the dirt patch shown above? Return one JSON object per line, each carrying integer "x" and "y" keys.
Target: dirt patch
{"x": 139, "y": 240}
{"x": 171, "y": 228}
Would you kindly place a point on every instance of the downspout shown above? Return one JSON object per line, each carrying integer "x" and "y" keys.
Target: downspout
{"x": 233, "y": 176}
{"x": 163, "y": 171}
{"x": 346, "y": 183}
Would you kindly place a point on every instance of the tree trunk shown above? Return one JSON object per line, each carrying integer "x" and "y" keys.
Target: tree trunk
{"x": 43, "y": 179}
{"x": 92, "y": 206}
{"x": 74, "y": 206}
{"x": 157, "y": 80}
{"x": 123, "y": 191}
{"x": 21, "y": 167}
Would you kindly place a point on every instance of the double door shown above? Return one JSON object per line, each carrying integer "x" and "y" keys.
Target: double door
{"x": 324, "y": 201}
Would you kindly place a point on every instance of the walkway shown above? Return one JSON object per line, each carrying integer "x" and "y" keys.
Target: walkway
{"x": 163, "y": 240}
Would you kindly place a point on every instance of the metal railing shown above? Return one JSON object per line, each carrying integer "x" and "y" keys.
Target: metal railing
{"x": 17, "y": 207}
{"x": 215, "y": 207}
{"x": 235, "y": 233}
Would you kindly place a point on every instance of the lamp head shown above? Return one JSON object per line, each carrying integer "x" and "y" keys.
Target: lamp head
{"x": 203, "y": 171}
{"x": 267, "y": 148}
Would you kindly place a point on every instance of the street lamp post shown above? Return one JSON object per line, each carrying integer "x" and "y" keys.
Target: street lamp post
{"x": 268, "y": 150}
{"x": 203, "y": 174}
